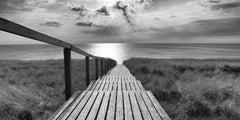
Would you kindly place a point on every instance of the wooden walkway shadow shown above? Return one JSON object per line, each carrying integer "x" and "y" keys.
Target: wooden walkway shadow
{"x": 116, "y": 96}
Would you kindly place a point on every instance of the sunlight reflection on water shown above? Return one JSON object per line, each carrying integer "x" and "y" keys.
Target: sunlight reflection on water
{"x": 121, "y": 52}
{"x": 114, "y": 51}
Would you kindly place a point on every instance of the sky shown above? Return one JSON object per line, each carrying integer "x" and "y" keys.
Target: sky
{"x": 126, "y": 21}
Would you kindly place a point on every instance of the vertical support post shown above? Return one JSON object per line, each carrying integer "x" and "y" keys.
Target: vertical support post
{"x": 87, "y": 71}
{"x": 108, "y": 65}
{"x": 102, "y": 67}
{"x": 96, "y": 68}
{"x": 105, "y": 66}
{"x": 67, "y": 71}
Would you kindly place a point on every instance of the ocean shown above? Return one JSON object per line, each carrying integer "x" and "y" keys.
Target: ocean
{"x": 121, "y": 52}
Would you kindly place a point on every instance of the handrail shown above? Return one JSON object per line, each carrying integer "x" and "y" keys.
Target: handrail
{"x": 11, "y": 27}
{"x": 14, "y": 28}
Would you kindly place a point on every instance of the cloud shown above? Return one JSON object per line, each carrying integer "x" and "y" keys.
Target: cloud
{"x": 14, "y": 5}
{"x": 126, "y": 12}
{"x": 103, "y": 10}
{"x": 226, "y": 5}
{"x": 156, "y": 4}
{"x": 86, "y": 24}
{"x": 51, "y": 24}
{"x": 108, "y": 31}
{"x": 79, "y": 8}
{"x": 117, "y": 8}
{"x": 202, "y": 28}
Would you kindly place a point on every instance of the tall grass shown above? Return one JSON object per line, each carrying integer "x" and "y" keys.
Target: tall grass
{"x": 33, "y": 90}
{"x": 191, "y": 89}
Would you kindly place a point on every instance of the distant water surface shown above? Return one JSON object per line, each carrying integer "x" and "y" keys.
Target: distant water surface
{"x": 122, "y": 52}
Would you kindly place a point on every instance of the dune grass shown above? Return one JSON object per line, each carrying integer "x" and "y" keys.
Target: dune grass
{"x": 34, "y": 90}
{"x": 191, "y": 89}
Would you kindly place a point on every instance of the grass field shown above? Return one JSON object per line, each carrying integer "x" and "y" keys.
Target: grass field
{"x": 191, "y": 89}
{"x": 33, "y": 90}
{"x": 187, "y": 89}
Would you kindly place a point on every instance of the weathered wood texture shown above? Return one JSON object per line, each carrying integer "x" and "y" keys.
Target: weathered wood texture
{"x": 67, "y": 71}
{"x": 116, "y": 96}
{"x": 87, "y": 71}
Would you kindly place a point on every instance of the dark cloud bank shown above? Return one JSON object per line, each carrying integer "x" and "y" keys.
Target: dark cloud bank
{"x": 227, "y": 5}
{"x": 51, "y": 24}
{"x": 202, "y": 28}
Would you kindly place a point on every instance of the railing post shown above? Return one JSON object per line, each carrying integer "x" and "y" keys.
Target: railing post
{"x": 67, "y": 71}
{"x": 105, "y": 68}
{"x": 96, "y": 68}
{"x": 87, "y": 71}
{"x": 108, "y": 65}
{"x": 102, "y": 67}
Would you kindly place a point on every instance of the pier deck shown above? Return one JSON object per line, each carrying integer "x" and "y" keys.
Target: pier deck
{"x": 115, "y": 96}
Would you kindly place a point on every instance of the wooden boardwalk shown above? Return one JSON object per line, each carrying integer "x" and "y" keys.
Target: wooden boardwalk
{"x": 116, "y": 96}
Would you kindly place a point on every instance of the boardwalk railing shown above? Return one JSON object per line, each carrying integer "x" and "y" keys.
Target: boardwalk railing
{"x": 106, "y": 63}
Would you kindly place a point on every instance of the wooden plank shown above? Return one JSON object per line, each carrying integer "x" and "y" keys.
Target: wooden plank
{"x": 83, "y": 114}
{"x": 124, "y": 86}
{"x": 110, "y": 86}
{"x": 123, "y": 79}
{"x": 68, "y": 112}
{"x": 110, "y": 78}
{"x": 90, "y": 86}
{"x": 93, "y": 113}
{"x": 119, "y": 87}
{"x": 77, "y": 107}
{"x": 98, "y": 85}
{"x": 128, "y": 86}
{"x": 144, "y": 110}
{"x": 140, "y": 85}
{"x": 136, "y": 86}
{"x": 104, "y": 79}
{"x": 111, "y": 108}
{"x": 107, "y": 79}
{"x": 119, "y": 109}
{"x": 159, "y": 108}
{"x": 65, "y": 106}
{"x": 104, "y": 106}
{"x": 127, "y": 106}
{"x": 114, "y": 86}
{"x": 135, "y": 108}
{"x": 102, "y": 86}
{"x": 106, "y": 86}
{"x": 151, "y": 107}
{"x": 127, "y": 79}
{"x": 94, "y": 85}
{"x": 132, "y": 86}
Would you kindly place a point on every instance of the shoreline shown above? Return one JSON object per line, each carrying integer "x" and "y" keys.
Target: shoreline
{"x": 185, "y": 59}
